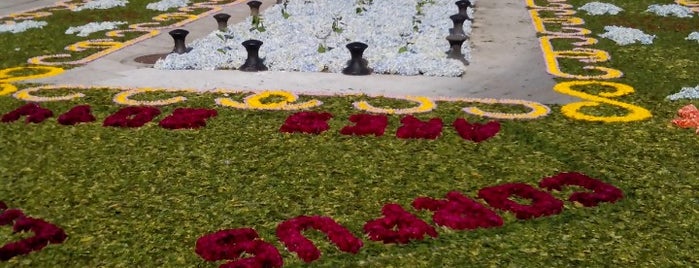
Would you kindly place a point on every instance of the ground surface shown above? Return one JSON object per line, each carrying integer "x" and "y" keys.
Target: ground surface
{"x": 144, "y": 196}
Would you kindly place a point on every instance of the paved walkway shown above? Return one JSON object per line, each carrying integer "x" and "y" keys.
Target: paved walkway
{"x": 506, "y": 63}
{"x": 8, "y": 7}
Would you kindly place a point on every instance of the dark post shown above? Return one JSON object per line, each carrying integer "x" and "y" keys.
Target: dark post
{"x": 222, "y": 20}
{"x": 458, "y": 21}
{"x": 253, "y": 63}
{"x": 455, "y": 43}
{"x": 179, "y": 35}
{"x": 463, "y": 6}
{"x": 357, "y": 65}
{"x": 254, "y": 8}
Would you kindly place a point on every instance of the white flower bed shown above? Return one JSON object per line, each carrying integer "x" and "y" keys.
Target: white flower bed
{"x": 167, "y": 4}
{"x": 686, "y": 93}
{"x": 693, "y": 36}
{"x": 292, "y": 44}
{"x": 92, "y": 27}
{"x": 625, "y": 36}
{"x": 21, "y": 26}
{"x": 670, "y": 10}
{"x": 598, "y": 8}
{"x": 102, "y": 4}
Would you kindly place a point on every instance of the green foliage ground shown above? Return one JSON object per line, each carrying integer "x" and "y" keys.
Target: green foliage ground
{"x": 141, "y": 197}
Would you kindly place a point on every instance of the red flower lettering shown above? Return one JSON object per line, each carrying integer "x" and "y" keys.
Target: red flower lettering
{"x": 601, "y": 192}
{"x": 366, "y": 124}
{"x": 407, "y": 226}
{"x": 78, "y": 114}
{"x": 543, "y": 203}
{"x": 231, "y": 243}
{"x": 459, "y": 212}
{"x": 131, "y": 117}
{"x": 413, "y": 128}
{"x": 187, "y": 118}
{"x": 306, "y": 122}
{"x": 44, "y": 233}
{"x": 289, "y": 233}
{"x": 34, "y": 113}
{"x": 474, "y": 131}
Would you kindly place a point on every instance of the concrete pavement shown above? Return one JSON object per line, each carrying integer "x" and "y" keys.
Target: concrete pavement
{"x": 8, "y": 7}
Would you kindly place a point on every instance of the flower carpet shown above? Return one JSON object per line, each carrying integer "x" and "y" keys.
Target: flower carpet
{"x": 167, "y": 177}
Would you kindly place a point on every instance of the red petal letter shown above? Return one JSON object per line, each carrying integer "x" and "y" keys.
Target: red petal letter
{"x": 289, "y": 233}
{"x": 78, "y": 114}
{"x": 231, "y": 243}
{"x": 543, "y": 203}
{"x": 601, "y": 192}
{"x": 407, "y": 226}
{"x": 413, "y": 128}
{"x": 187, "y": 118}
{"x": 459, "y": 212}
{"x": 306, "y": 122}
{"x": 366, "y": 124}
{"x": 131, "y": 117}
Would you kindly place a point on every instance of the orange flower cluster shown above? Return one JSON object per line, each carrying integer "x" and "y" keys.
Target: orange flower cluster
{"x": 689, "y": 117}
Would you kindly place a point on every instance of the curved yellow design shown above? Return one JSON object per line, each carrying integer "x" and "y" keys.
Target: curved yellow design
{"x": 688, "y": 3}
{"x": 30, "y": 15}
{"x": 120, "y": 33}
{"x": 6, "y": 76}
{"x": 174, "y": 16}
{"x": 124, "y": 98}
{"x": 96, "y": 43}
{"x": 108, "y": 46}
{"x": 7, "y": 89}
{"x": 585, "y": 55}
{"x": 425, "y": 104}
{"x": 254, "y": 101}
{"x": 25, "y": 94}
{"x": 692, "y": 5}
{"x": 537, "y": 110}
{"x": 553, "y": 5}
{"x": 572, "y": 110}
{"x": 564, "y": 21}
{"x": 82, "y": 45}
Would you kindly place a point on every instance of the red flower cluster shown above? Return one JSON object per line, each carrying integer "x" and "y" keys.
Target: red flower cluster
{"x": 543, "y": 203}
{"x": 34, "y": 113}
{"x": 459, "y": 212}
{"x": 44, "y": 233}
{"x": 289, "y": 233}
{"x": 476, "y": 132}
{"x": 408, "y": 226}
{"x": 306, "y": 122}
{"x": 131, "y": 116}
{"x": 187, "y": 118}
{"x": 601, "y": 191}
{"x": 413, "y": 128}
{"x": 231, "y": 243}
{"x": 366, "y": 124}
{"x": 77, "y": 114}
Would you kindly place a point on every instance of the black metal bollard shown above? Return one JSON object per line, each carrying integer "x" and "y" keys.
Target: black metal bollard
{"x": 254, "y": 8}
{"x": 222, "y": 20}
{"x": 458, "y": 21}
{"x": 463, "y": 6}
{"x": 455, "y": 43}
{"x": 357, "y": 65}
{"x": 179, "y": 35}
{"x": 253, "y": 63}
